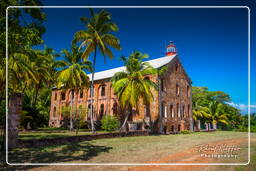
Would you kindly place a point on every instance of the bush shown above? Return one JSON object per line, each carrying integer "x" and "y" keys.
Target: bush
{"x": 110, "y": 123}
{"x": 184, "y": 132}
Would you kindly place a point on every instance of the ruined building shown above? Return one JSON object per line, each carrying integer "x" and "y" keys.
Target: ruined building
{"x": 169, "y": 112}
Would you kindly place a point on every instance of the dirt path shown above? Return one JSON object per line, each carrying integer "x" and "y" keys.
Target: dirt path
{"x": 188, "y": 156}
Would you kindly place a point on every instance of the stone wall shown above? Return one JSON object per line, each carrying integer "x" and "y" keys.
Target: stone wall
{"x": 175, "y": 102}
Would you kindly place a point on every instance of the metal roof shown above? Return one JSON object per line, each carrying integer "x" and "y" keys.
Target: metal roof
{"x": 156, "y": 63}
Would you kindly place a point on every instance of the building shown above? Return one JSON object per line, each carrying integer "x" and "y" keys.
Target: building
{"x": 169, "y": 112}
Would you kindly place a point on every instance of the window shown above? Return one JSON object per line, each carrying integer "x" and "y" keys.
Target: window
{"x": 172, "y": 129}
{"x": 63, "y": 96}
{"x": 188, "y": 110}
{"x": 162, "y": 110}
{"x": 176, "y": 67}
{"x": 102, "y": 90}
{"x": 54, "y": 111}
{"x": 179, "y": 128}
{"x": 188, "y": 91}
{"x": 183, "y": 111}
{"x": 81, "y": 94}
{"x": 178, "y": 109}
{"x": 162, "y": 84}
{"x": 55, "y": 97}
{"x": 101, "y": 110}
{"x": 165, "y": 111}
{"x": 177, "y": 89}
{"x": 171, "y": 110}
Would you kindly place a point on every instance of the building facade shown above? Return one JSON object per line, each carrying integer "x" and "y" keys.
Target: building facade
{"x": 169, "y": 112}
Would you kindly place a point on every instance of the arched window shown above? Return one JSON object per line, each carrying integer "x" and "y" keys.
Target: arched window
{"x": 176, "y": 67}
{"x": 177, "y": 89}
{"x": 164, "y": 110}
{"x": 101, "y": 110}
{"x": 103, "y": 91}
{"x": 171, "y": 110}
{"x": 179, "y": 128}
{"x": 63, "y": 95}
{"x": 172, "y": 129}
{"x": 188, "y": 110}
{"x": 178, "y": 109}
{"x": 81, "y": 94}
{"x": 183, "y": 111}
{"x": 162, "y": 84}
{"x": 188, "y": 91}
{"x": 55, "y": 97}
{"x": 54, "y": 111}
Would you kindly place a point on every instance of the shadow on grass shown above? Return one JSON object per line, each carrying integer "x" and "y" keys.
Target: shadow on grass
{"x": 81, "y": 152}
{"x": 48, "y": 136}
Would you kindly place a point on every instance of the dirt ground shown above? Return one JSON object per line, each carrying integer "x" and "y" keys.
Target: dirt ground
{"x": 188, "y": 156}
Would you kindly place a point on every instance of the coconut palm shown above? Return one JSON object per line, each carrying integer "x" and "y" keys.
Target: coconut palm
{"x": 217, "y": 113}
{"x": 200, "y": 113}
{"x": 97, "y": 37}
{"x": 42, "y": 66}
{"x": 72, "y": 73}
{"x": 132, "y": 85}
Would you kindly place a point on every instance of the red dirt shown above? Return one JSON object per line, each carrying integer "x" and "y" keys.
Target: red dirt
{"x": 188, "y": 156}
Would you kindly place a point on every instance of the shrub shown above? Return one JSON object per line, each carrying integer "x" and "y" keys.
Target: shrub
{"x": 110, "y": 123}
{"x": 184, "y": 132}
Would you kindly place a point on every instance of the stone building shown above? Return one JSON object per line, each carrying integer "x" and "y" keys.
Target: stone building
{"x": 169, "y": 112}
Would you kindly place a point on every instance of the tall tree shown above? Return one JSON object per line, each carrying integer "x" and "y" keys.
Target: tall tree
{"x": 97, "y": 36}
{"x": 217, "y": 113}
{"x": 132, "y": 85}
{"x": 71, "y": 74}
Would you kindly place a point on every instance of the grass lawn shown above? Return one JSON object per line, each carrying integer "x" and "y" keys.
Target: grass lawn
{"x": 125, "y": 150}
{"x": 49, "y": 133}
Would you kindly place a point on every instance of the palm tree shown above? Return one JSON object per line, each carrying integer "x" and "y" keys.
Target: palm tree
{"x": 217, "y": 113}
{"x": 199, "y": 113}
{"x": 132, "y": 85}
{"x": 97, "y": 36}
{"x": 42, "y": 66}
{"x": 72, "y": 73}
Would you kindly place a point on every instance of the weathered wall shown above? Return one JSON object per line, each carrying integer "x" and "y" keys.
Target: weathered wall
{"x": 176, "y": 93}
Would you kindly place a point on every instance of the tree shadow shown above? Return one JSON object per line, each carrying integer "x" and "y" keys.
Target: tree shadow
{"x": 81, "y": 152}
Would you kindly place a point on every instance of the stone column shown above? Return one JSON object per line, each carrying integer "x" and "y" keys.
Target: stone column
{"x": 14, "y": 110}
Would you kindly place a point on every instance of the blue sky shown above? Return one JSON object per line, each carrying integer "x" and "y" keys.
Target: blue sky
{"x": 212, "y": 43}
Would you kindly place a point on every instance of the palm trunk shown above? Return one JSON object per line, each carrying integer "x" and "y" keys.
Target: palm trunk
{"x": 125, "y": 121}
{"x": 92, "y": 91}
{"x": 70, "y": 119}
{"x": 160, "y": 107}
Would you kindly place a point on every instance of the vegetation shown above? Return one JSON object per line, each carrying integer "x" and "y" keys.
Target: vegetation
{"x": 211, "y": 107}
{"x": 110, "y": 123}
{"x": 72, "y": 76}
{"x": 133, "y": 85}
{"x": 97, "y": 36}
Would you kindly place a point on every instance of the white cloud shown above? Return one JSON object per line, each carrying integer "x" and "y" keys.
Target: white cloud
{"x": 243, "y": 107}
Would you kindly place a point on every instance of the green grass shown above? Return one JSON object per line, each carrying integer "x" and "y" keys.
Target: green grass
{"x": 126, "y": 149}
{"x": 49, "y": 133}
